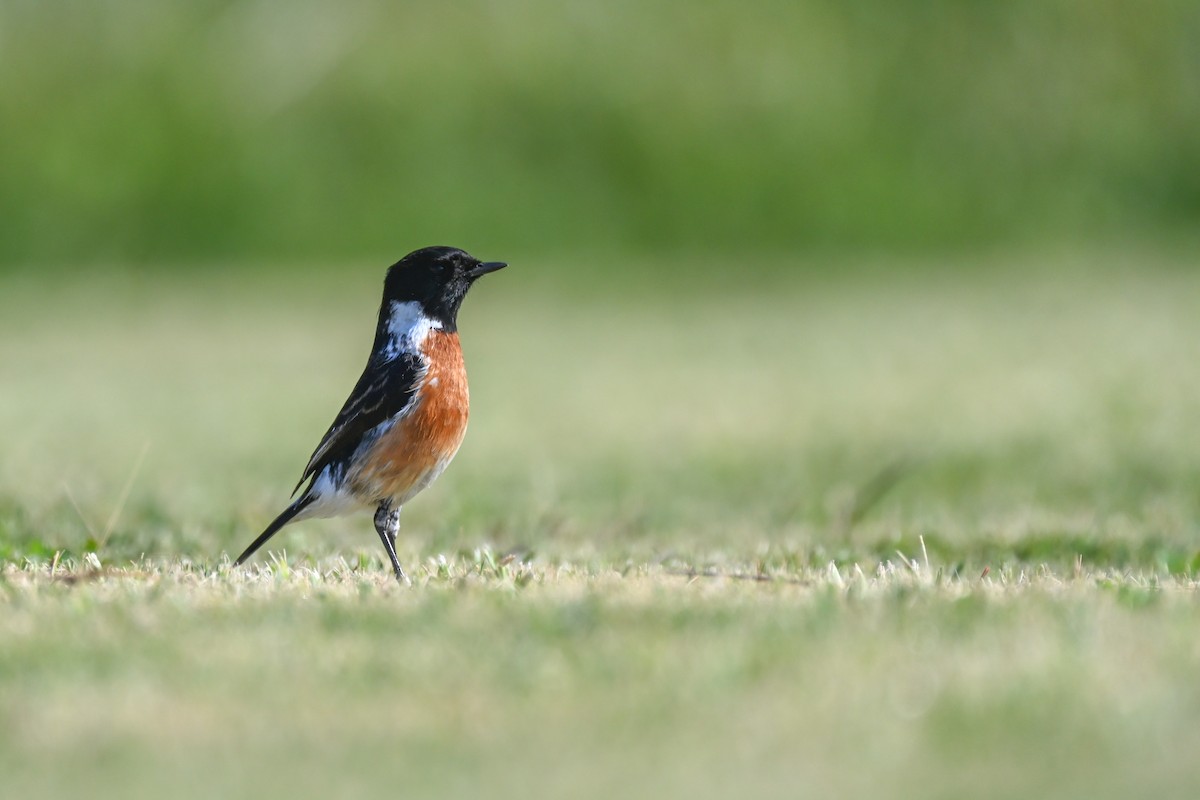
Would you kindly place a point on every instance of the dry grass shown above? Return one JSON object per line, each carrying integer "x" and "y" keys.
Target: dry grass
{"x": 562, "y": 679}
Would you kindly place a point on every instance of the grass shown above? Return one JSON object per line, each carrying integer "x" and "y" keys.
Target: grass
{"x": 931, "y": 535}
{"x": 552, "y": 680}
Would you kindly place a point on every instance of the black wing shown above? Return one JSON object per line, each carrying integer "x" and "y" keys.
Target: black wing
{"x": 383, "y": 391}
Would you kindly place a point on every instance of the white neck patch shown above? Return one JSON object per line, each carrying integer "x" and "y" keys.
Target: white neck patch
{"x": 407, "y": 327}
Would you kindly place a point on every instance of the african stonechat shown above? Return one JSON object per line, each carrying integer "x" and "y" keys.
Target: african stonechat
{"x": 407, "y": 415}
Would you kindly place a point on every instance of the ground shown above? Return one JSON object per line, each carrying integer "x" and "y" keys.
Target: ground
{"x": 920, "y": 531}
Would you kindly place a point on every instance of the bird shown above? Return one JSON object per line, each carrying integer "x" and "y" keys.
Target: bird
{"x": 406, "y": 417}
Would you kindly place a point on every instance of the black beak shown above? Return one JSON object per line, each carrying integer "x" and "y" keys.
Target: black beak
{"x": 485, "y": 268}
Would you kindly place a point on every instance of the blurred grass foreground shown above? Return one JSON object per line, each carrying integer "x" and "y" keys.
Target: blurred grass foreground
{"x": 271, "y": 130}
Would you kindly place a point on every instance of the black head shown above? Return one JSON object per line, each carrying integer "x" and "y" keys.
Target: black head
{"x": 436, "y": 277}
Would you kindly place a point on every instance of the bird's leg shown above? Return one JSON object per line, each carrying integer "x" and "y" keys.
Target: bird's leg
{"x": 387, "y": 525}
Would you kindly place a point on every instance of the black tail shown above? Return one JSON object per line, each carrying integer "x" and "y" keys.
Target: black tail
{"x": 283, "y": 519}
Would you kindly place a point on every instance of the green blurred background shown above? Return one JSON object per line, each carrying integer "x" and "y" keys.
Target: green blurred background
{"x": 268, "y": 131}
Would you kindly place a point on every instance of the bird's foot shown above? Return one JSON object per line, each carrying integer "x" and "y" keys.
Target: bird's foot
{"x": 387, "y": 525}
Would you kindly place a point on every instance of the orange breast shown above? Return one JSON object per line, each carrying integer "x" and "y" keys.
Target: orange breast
{"x": 417, "y": 448}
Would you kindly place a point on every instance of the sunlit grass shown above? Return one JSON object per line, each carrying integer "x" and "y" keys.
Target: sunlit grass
{"x": 535, "y": 679}
{"x": 936, "y": 535}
